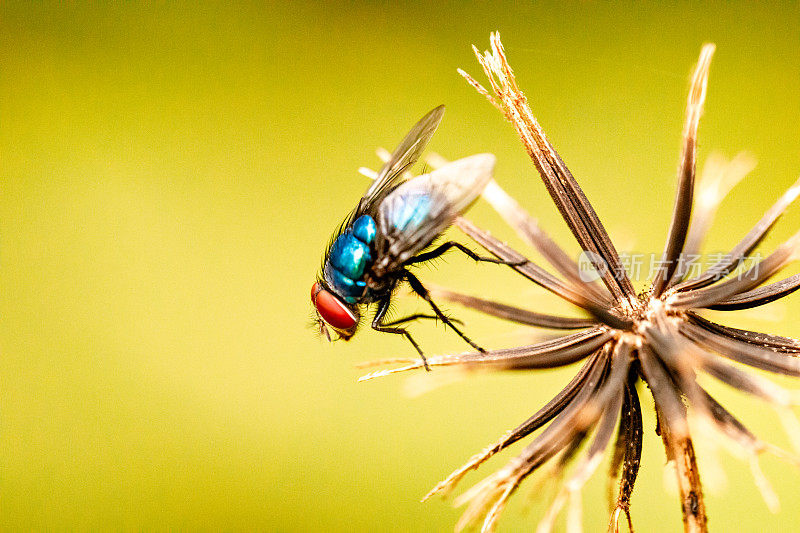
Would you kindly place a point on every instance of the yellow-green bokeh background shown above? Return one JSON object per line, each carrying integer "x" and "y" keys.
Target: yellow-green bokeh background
{"x": 171, "y": 175}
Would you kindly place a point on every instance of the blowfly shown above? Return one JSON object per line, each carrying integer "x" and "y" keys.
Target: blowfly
{"x": 392, "y": 228}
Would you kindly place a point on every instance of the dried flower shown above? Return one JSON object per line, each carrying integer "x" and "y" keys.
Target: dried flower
{"x": 657, "y": 337}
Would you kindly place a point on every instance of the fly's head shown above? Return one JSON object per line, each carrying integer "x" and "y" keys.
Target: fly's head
{"x": 333, "y": 313}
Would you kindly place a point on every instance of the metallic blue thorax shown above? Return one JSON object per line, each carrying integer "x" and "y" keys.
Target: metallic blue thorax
{"x": 349, "y": 256}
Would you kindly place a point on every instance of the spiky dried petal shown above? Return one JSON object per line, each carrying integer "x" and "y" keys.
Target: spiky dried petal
{"x": 683, "y": 202}
{"x": 562, "y": 186}
{"x": 514, "y": 314}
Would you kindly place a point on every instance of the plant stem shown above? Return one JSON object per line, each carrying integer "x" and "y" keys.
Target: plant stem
{"x": 681, "y": 451}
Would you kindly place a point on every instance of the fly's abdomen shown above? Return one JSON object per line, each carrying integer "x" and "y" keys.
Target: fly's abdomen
{"x": 349, "y": 257}
{"x": 365, "y": 229}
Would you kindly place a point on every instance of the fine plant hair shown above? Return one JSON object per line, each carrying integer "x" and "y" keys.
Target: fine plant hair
{"x": 659, "y": 338}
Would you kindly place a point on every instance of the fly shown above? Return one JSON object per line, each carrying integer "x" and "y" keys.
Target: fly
{"x": 391, "y": 228}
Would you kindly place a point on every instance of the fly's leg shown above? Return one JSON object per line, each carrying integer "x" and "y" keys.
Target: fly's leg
{"x": 418, "y": 316}
{"x": 442, "y": 248}
{"x": 422, "y": 292}
{"x": 379, "y": 325}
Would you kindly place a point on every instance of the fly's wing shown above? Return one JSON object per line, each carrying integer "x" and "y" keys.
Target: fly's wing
{"x": 406, "y": 154}
{"x": 417, "y": 211}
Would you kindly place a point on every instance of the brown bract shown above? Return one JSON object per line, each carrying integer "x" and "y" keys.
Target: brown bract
{"x": 659, "y": 337}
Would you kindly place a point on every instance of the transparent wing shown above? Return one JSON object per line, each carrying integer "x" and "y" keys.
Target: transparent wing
{"x": 417, "y": 211}
{"x": 405, "y": 155}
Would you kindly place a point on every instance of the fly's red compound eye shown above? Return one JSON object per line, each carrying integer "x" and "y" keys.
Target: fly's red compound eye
{"x": 331, "y": 309}
{"x": 315, "y": 288}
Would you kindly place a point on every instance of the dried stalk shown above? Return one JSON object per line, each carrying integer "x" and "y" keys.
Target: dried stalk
{"x": 681, "y": 452}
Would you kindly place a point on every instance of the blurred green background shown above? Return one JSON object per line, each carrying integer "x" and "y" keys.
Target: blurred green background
{"x": 172, "y": 173}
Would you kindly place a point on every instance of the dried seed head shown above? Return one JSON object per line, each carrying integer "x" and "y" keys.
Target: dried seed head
{"x": 658, "y": 337}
